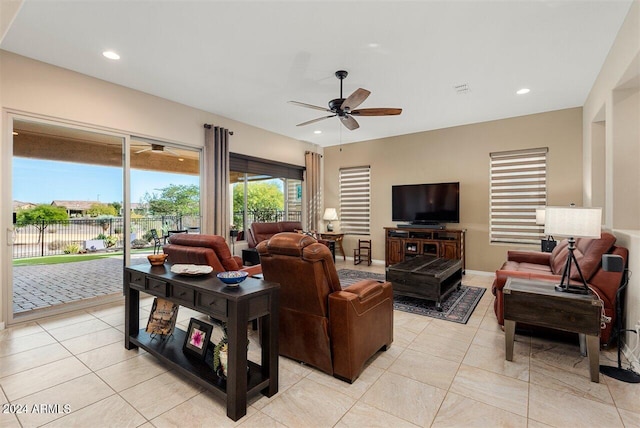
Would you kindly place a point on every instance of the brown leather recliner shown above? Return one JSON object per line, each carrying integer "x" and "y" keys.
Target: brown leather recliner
{"x": 259, "y": 232}
{"x": 209, "y": 250}
{"x": 549, "y": 267}
{"x": 333, "y": 329}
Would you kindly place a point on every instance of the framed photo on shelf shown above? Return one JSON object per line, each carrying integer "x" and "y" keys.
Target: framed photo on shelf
{"x": 197, "y": 340}
{"x": 162, "y": 319}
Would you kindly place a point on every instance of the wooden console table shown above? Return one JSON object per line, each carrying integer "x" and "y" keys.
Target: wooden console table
{"x": 538, "y": 303}
{"x": 254, "y": 299}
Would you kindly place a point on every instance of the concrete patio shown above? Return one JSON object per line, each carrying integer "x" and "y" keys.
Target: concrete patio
{"x": 42, "y": 286}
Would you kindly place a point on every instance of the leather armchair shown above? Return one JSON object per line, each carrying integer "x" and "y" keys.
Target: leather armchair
{"x": 333, "y": 329}
{"x": 259, "y": 232}
{"x": 209, "y": 250}
{"x": 536, "y": 265}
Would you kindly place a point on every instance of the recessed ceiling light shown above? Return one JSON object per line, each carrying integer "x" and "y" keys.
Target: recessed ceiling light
{"x": 15, "y": 133}
{"x": 373, "y": 45}
{"x": 180, "y": 159}
{"x": 523, "y": 91}
{"x": 317, "y": 132}
{"x": 111, "y": 55}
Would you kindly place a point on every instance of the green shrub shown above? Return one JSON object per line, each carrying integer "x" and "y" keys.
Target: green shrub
{"x": 147, "y": 236}
{"x": 72, "y": 249}
{"x": 110, "y": 241}
{"x": 101, "y": 236}
{"x": 139, "y": 243}
{"x": 55, "y": 245}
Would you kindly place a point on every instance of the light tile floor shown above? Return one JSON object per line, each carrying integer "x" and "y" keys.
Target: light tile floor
{"x": 73, "y": 371}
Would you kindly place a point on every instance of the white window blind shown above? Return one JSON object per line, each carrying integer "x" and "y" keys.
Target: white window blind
{"x": 355, "y": 200}
{"x": 518, "y": 187}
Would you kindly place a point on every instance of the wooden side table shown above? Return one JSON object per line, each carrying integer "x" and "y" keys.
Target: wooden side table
{"x": 538, "y": 303}
{"x": 337, "y": 237}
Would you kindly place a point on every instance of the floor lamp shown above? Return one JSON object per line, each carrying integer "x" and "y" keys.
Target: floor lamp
{"x": 613, "y": 263}
{"x": 573, "y": 222}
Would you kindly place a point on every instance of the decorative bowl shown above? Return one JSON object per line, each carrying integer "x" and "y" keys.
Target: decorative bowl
{"x": 157, "y": 259}
{"x": 233, "y": 276}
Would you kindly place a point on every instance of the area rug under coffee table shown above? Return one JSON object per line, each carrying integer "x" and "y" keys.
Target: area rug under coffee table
{"x": 457, "y": 308}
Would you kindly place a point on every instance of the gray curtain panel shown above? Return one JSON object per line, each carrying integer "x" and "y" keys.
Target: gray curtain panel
{"x": 216, "y": 177}
{"x": 313, "y": 189}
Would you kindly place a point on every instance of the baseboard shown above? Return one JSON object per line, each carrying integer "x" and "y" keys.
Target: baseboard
{"x": 373, "y": 261}
{"x": 478, "y": 272}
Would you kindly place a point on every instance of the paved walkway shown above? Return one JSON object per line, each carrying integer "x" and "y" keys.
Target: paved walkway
{"x": 43, "y": 286}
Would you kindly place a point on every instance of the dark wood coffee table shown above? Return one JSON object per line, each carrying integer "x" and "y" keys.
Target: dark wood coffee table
{"x": 426, "y": 277}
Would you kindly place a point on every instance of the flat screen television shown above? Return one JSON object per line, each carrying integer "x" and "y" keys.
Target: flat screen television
{"x": 426, "y": 203}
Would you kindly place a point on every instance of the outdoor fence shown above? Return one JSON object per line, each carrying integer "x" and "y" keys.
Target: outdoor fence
{"x": 265, "y": 216}
{"x": 48, "y": 238}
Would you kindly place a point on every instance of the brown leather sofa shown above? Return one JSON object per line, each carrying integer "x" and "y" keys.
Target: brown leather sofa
{"x": 549, "y": 267}
{"x": 209, "y": 250}
{"x": 259, "y": 232}
{"x": 333, "y": 329}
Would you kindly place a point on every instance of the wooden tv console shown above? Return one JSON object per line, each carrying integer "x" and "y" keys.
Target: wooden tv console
{"x": 402, "y": 243}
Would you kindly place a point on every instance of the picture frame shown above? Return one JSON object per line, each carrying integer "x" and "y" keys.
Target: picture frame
{"x": 162, "y": 319}
{"x": 197, "y": 338}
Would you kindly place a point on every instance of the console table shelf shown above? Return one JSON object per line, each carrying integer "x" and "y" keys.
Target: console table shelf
{"x": 201, "y": 372}
{"x": 402, "y": 243}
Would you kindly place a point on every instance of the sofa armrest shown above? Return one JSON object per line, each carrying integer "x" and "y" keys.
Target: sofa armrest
{"x": 252, "y": 270}
{"x": 534, "y": 257}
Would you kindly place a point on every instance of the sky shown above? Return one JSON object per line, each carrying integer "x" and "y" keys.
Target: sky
{"x": 42, "y": 181}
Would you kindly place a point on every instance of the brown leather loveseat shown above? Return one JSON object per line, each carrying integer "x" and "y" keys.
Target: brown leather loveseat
{"x": 333, "y": 329}
{"x": 209, "y": 250}
{"x": 549, "y": 267}
{"x": 259, "y": 232}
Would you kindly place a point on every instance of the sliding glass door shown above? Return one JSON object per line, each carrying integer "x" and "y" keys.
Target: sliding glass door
{"x": 72, "y": 230}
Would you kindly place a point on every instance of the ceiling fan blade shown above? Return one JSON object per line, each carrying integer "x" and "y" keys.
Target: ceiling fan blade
{"x": 299, "y": 104}
{"x": 309, "y": 122}
{"x": 355, "y": 99}
{"x": 349, "y": 122}
{"x": 143, "y": 150}
{"x": 377, "y": 112}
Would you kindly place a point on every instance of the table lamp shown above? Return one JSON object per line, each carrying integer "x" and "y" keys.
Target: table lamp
{"x": 330, "y": 214}
{"x": 573, "y": 222}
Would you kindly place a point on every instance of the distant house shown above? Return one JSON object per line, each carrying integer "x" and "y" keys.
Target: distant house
{"x": 75, "y": 208}
{"x": 19, "y": 205}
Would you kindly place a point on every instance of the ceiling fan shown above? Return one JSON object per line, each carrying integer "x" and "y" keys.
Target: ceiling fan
{"x": 344, "y": 108}
{"x": 157, "y": 148}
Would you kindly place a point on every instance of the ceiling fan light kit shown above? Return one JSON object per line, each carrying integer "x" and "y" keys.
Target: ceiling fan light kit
{"x": 345, "y": 108}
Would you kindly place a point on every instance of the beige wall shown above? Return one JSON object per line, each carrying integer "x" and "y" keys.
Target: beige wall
{"x": 462, "y": 154}
{"x": 616, "y": 92}
{"x": 36, "y": 88}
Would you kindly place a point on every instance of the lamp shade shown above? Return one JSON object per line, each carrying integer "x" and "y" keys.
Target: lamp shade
{"x": 540, "y": 215}
{"x": 573, "y": 222}
{"x": 330, "y": 214}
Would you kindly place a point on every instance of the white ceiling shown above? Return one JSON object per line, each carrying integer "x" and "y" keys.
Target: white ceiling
{"x": 245, "y": 60}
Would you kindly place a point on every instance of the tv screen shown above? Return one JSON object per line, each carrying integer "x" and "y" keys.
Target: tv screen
{"x": 426, "y": 203}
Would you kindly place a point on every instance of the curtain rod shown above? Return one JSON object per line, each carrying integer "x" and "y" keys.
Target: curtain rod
{"x": 209, "y": 126}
